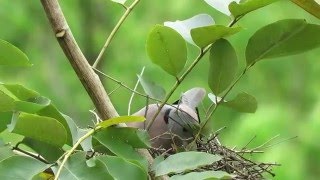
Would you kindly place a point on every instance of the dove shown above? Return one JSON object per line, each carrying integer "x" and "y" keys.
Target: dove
{"x": 175, "y": 124}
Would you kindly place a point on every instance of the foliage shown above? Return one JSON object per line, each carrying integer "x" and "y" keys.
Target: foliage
{"x": 50, "y": 133}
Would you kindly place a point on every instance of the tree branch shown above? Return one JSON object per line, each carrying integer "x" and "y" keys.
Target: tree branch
{"x": 89, "y": 79}
{"x": 85, "y": 73}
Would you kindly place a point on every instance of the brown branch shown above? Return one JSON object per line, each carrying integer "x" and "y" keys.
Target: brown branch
{"x": 89, "y": 79}
{"x": 86, "y": 75}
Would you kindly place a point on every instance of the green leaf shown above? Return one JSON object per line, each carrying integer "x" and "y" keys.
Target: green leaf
{"x": 128, "y": 169}
{"x": 311, "y": 6}
{"x": 53, "y": 112}
{"x": 6, "y": 102}
{"x": 119, "y": 1}
{"x": 151, "y": 88}
{"x": 282, "y": 38}
{"x": 121, "y": 119}
{"x": 49, "y": 152}
{"x": 184, "y": 27}
{"x": 41, "y": 128}
{"x": 11, "y": 55}
{"x": 18, "y": 167}
{"x": 5, "y": 119}
{"x": 120, "y": 147}
{"x": 21, "y": 92}
{"x": 223, "y": 66}
{"x": 203, "y": 36}
{"x": 185, "y": 161}
{"x": 167, "y": 49}
{"x": 243, "y": 102}
{"x": 203, "y": 175}
{"x": 77, "y": 168}
{"x": 245, "y": 7}
{"x": 136, "y": 138}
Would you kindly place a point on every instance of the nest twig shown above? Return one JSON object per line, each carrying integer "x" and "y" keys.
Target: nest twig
{"x": 235, "y": 162}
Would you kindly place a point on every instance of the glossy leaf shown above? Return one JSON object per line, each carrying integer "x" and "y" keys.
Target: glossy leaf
{"x": 311, "y": 6}
{"x": 120, "y": 148}
{"x": 243, "y": 102}
{"x": 223, "y": 66}
{"x": 167, "y": 49}
{"x": 121, "y": 119}
{"x": 151, "y": 88}
{"x": 203, "y": 175}
{"x": 282, "y": 38}
{"x": 185, "y": 161}
{"x": 11, "y": 55}
{"x": 77, "y": 168}
{"x": 240, "y": 9}
{"x": 121, "y": 169}
{"x": 41, "y": 128}
{"x": 18, "y": 167}
{"x": 184, "y": 27}
{"x": 204, "y": 36}
{"x": 221, "y": 5}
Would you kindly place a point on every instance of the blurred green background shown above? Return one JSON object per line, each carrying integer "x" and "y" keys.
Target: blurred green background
{"x": 287, "y": 89}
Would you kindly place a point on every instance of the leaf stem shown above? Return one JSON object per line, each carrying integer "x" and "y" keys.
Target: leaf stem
{"x": 114, "y": 31}
{"x": 178, "y": 82}
{"x": 74, "y": 147}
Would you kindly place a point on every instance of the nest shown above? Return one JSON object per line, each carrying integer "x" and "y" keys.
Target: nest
{"x": 235, "y": 162}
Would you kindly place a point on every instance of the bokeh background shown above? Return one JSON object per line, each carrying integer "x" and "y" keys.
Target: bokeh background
{"x": 287, "y": 89}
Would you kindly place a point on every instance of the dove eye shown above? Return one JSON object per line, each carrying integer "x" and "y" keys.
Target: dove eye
{"x": 166, "y": 116}
{"x": 184, "y": 130}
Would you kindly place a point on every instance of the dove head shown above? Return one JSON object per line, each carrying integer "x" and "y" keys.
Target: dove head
{"x": 175, "y": 124}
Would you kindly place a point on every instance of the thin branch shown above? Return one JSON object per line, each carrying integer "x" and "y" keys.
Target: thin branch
{"x": 125, "y": 86}
{"x": 135, "y": 88}
{"x": 178, "y": 82}
{"x": 114, "y": 31}
{"x": 74, "y": 147}
{"x": 35, "y": 156}
{"x": 86, "y": 75}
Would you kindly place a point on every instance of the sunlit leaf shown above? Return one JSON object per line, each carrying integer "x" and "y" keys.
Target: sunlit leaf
{"x": 128, "y": 169}
{"x": 223, "y": 66}
{"x": 11, "y": 55}
{"x": 248, "y": 6}
{"x": 184, "y": 27}
{"x": 207, "y": 175}
{"x": 151, "y": 88}
{"x": 311, "y": 6}
{"x": 41, "y": 128}
{"x": 215, "y": 99}
{"x": 243, "y": 102}
{"x": 167, "y": 49}
{"x": 119, "y": 1}
{"x": 221, "y": 5}
{"x": 204, "y": 36}
{"x": 282, "y": 38}
{"x": 185, "y": 161}
{"x": 77, "y": 168}
{"x": 121, "y": 119}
